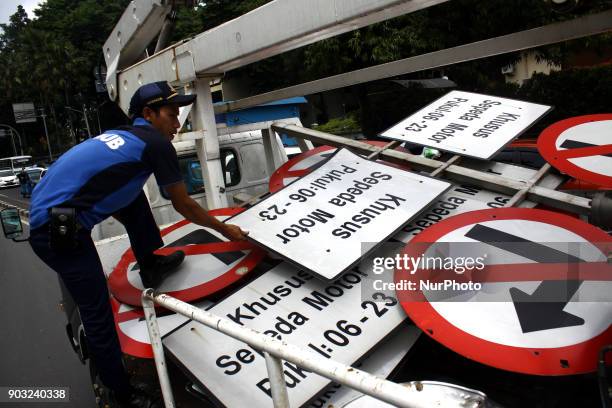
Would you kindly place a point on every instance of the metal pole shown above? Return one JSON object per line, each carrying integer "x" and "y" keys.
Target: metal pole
{"x": 158, "y": 349}
{"x": 86, "y": 121}
{"x": 387, "y": 391}
{"x": 98, "y": 117}
{"x": 592, "y": 24}
{"x": 18, "y": 138}
{"x": 391, "y": 145}
{"x": 13, "y": 141}
{"x": 43, "y": 116}
{"x": 278, "y": 386}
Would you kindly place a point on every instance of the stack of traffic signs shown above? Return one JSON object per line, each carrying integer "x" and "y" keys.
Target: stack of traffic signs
{"x": 212, "y": 263}
{"x": 544, "y": 305}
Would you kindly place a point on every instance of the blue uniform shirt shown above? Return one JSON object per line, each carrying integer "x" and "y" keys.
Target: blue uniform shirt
{"x": 102, "y": 175}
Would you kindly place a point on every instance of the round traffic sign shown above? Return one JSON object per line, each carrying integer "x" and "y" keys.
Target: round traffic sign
{"x": 309, "y": 161}
{"x": 581, "y": 147}
{"x": 132, "y": 331}
{"x": 544, "y": 303}
{"x": 211, "y": 263}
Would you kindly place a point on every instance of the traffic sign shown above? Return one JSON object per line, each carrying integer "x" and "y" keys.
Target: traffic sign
{"x": 544, "y": 306}
{"x": 321, "y": 221}
{"x": 132, "y": 329}
{"x": 24, "y": 112}
{"x": 332, "y": 320}
{"x": 309, "y": 161}
{"x": 467, "y": 123}
{"x": 581, "y": 147}
{"x": 212, "y": 263}
{"x": 382, "y": 362}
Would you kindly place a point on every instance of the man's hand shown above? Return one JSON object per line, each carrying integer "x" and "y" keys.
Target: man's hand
{"x": 233, "y": 232}
{"x": 191, "y": 210}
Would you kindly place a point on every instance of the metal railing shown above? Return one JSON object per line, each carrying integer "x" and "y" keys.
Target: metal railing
{"x": 275, "y": 351}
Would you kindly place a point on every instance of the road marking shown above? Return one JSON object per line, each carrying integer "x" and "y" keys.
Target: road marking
{"x": 16, "y": 199}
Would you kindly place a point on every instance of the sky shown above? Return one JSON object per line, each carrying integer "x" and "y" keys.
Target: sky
{"x": 9, "y": 7}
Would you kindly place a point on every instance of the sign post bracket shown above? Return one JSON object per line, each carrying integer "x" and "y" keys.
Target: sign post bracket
{"x": 520, "y": 195}
{"x": 391, "y": 145}
{"x": 440, "y": 169}
{"x": 542, "y": 195}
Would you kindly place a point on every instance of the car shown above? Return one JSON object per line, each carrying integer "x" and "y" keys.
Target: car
{"x": 36, "y": 173}
{"x": 8, "y": 178}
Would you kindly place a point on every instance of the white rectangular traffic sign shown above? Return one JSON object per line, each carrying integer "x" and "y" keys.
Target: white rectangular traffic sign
{"x": 467, "y": 123}
{"x": 330, "y": 319}
{"x": 388, "y": 355}
{"x": 24, "y": 112}
{"x": 320, "y": 221}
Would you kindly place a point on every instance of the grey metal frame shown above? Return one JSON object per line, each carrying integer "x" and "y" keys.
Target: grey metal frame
{"x": 529, "y": 190}
{"x": 553, "y": 33}
{"x": 275, "y": 351}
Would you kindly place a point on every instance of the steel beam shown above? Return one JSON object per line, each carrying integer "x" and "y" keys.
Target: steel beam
{"x": 522, "y": 40}
{"x": 139, "y": 24}
{"x": 272, "y": 29}
{"x": 283, "y": 25}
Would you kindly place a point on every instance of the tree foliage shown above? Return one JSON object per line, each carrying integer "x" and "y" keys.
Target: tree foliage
{"x": 49, "y": 58}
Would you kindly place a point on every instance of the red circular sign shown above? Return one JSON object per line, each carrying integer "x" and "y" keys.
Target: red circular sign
{"x": 498, "y": 333}
{"x": 306, "y": 162}
{"x": 201, "y": 258}
{"x": 581, "y": 147}
{"x": 132, "y": 328}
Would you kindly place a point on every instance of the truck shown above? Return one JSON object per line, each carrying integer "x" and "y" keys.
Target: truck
{"x": 408, "y": 355}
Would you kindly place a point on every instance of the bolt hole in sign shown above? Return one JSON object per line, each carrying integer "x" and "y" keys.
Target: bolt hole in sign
{"x": 545, "y": 301}
{"x": 468, "y": 124}
{"x": 211, "y": 263}
{"x": 310, "y": 160}
{"x": 581, "y": 147}
{"x": 320, "y": 222}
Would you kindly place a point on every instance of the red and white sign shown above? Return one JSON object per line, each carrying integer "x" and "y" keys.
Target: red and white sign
{"x": 581, "y": 147}
{"x": 211, "y": 263}
{"x": 306, "y": 162}
{"x": 516, "y": 320}
{"x": 132, "y": 329}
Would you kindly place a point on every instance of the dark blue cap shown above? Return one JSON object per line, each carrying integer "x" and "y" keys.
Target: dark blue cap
{"x": 156, "y": 94}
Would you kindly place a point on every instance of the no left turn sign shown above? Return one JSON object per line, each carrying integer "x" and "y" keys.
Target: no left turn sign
{"x": 132, "y": 329}
{"x": 581, "y": 147}
{"x": 211, "y": 264}
{"x": 516, "y": 320}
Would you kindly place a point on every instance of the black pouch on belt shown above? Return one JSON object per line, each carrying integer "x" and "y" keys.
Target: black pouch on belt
{"x": 62, "y": 228}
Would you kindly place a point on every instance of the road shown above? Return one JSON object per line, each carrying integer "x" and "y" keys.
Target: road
{"x": 33, "y": 345}
{"x": 11, "y": 196}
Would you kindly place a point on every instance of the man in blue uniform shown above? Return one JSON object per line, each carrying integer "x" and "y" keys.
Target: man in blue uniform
{"x": 25, "y": 183}
{"x": 103, "y": 177}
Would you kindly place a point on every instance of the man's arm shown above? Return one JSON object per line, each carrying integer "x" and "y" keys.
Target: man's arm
{"x": 192, "y": 211}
